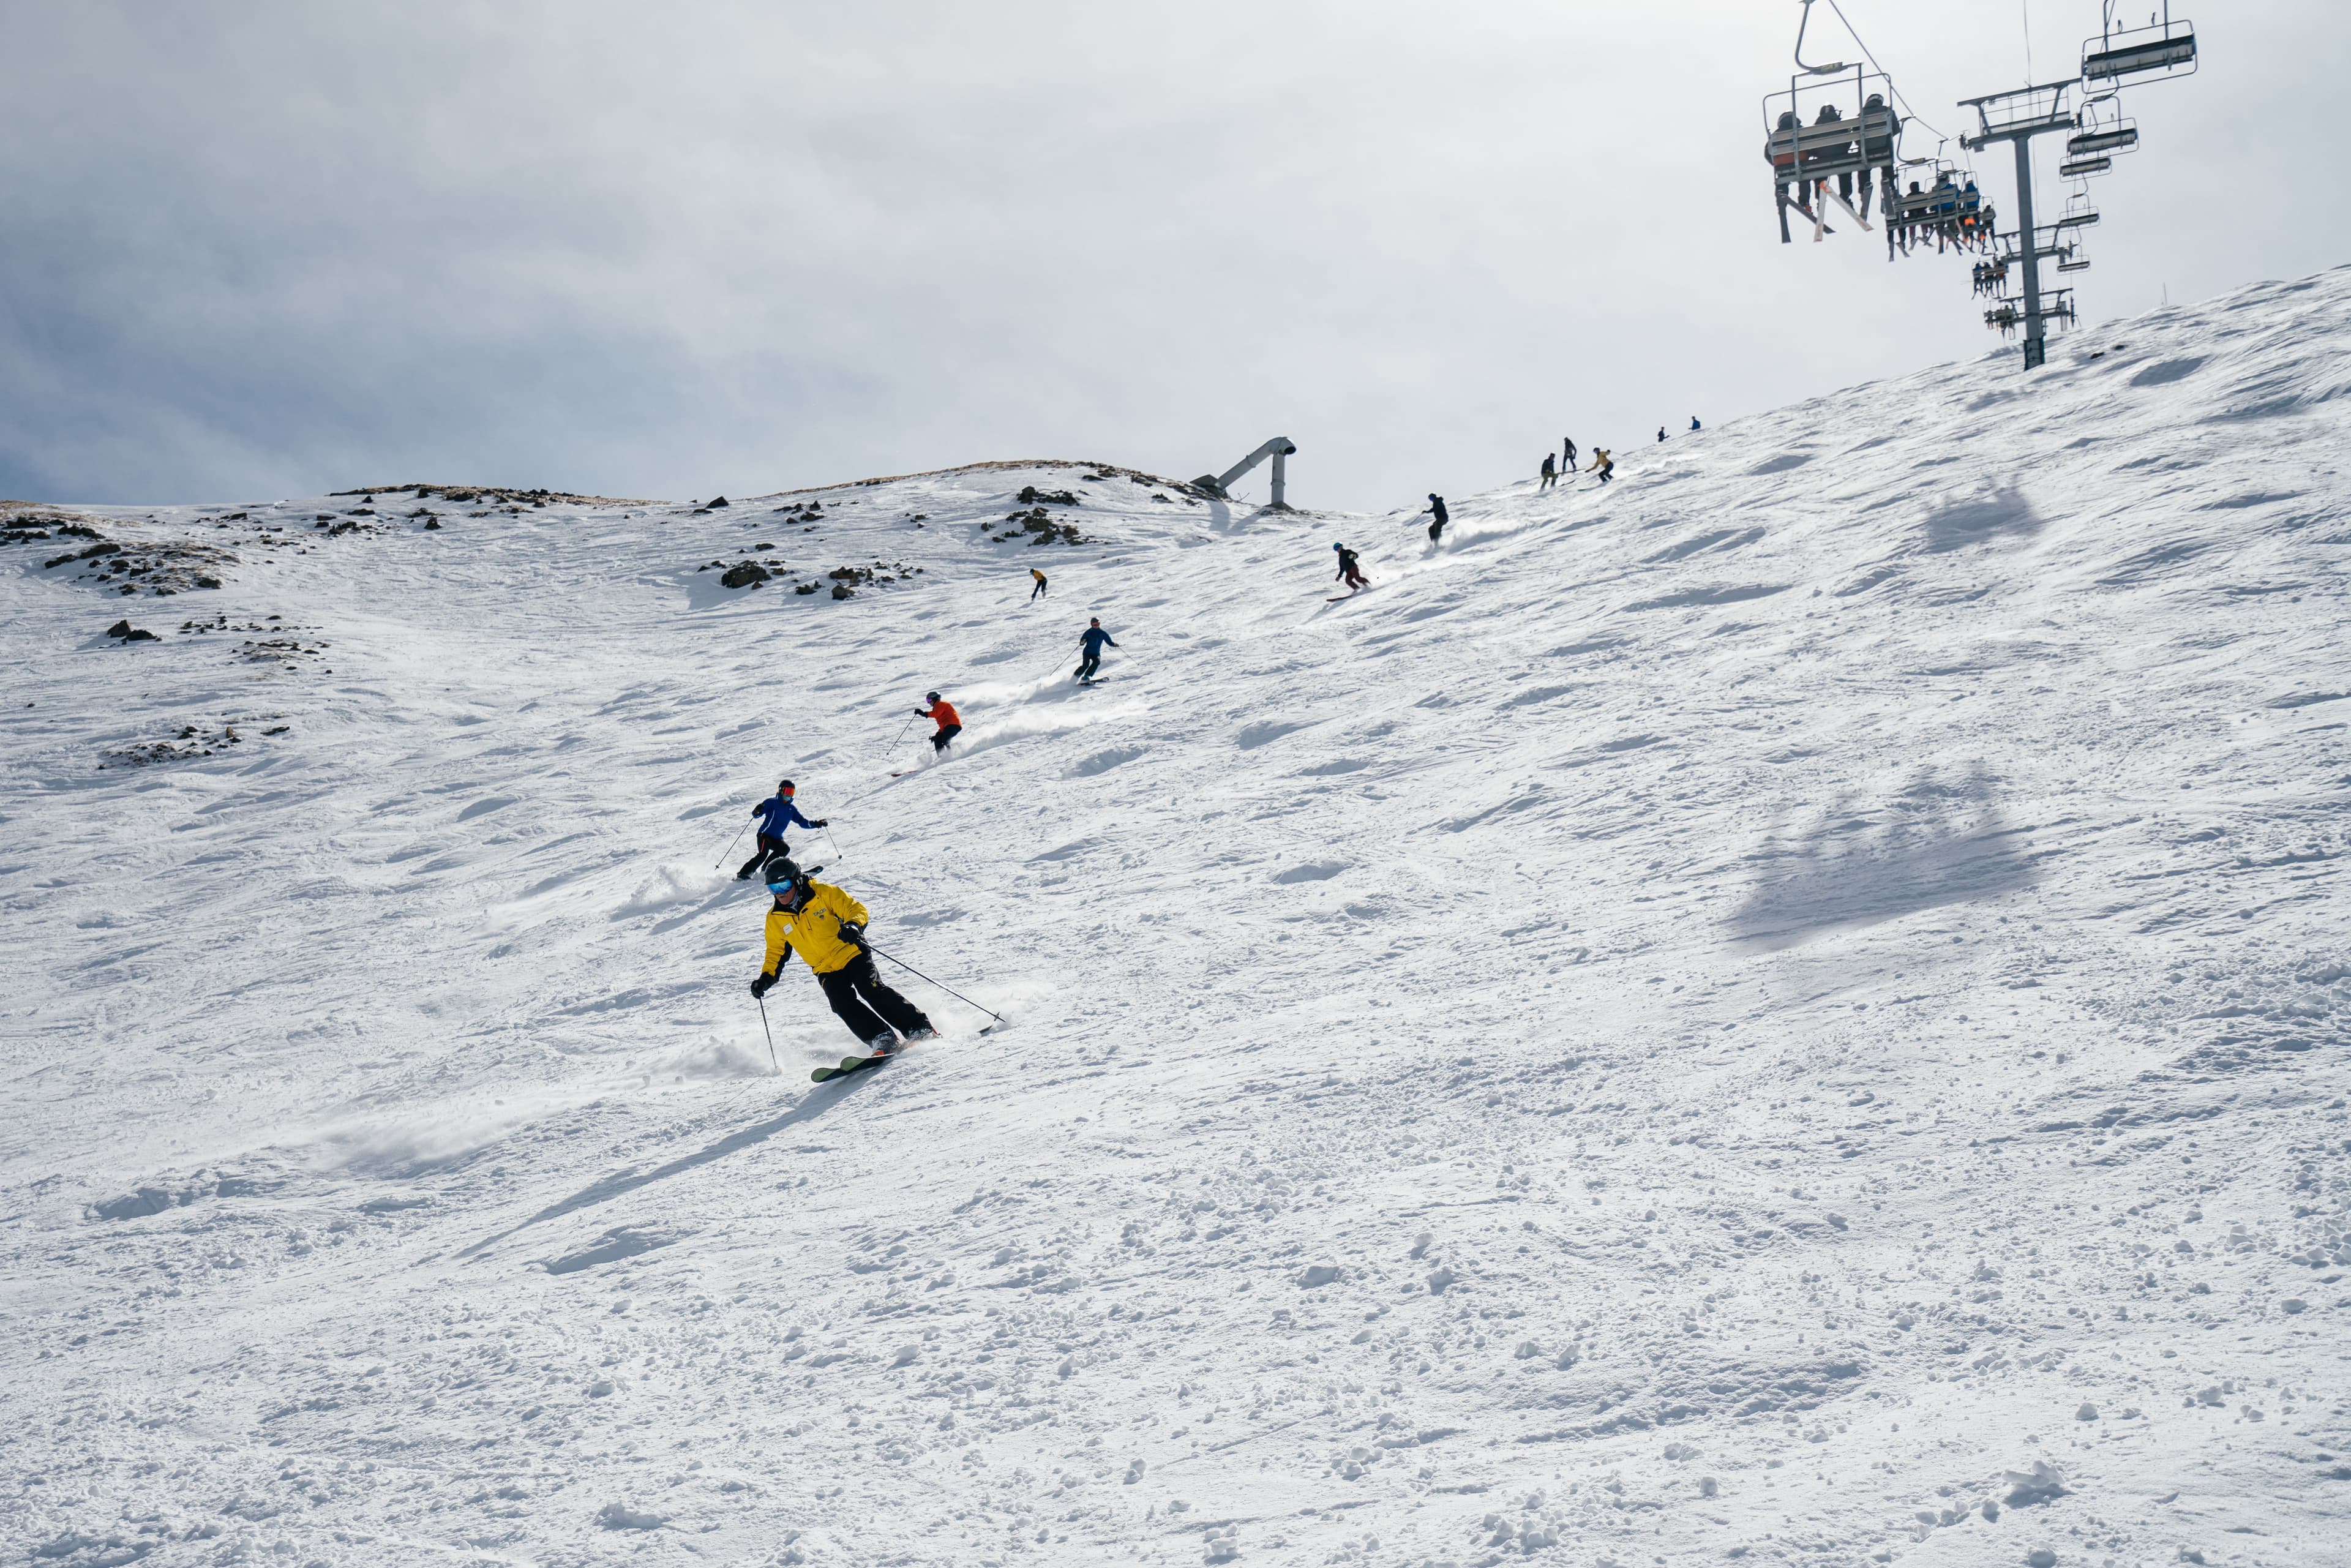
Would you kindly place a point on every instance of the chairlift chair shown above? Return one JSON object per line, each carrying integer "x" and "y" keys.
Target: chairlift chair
{"x": 2162, "y": 49}
{"x": 2100, "y": 131}
{"x": 1834, "y": 121}
{"x": 2079, "y": 213}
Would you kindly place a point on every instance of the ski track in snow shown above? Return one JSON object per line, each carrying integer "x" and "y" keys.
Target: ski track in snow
{"x": 1793, "y": 1009}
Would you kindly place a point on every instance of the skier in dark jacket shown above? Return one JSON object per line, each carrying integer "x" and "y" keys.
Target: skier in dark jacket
{"x": 1550, "y": 472}
{"x": 827, "y": 928}
{"x": 1095, "y": 641}
{"x": 1567, "y": 463}
{"x": 1437, "y": 506}
{"x": 775, "y": 813}
{"x": 1351, "y": 571}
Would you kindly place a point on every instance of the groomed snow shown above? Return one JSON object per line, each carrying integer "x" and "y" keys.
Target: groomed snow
{"x": 1793, "y": 1009}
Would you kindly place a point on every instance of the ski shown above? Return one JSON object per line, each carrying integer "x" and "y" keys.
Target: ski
{"x": 849, "y": 1064}
{"x": 1828, "y": 195}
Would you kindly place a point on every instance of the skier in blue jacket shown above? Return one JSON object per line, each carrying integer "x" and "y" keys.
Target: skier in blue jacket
{"x": 775, "y": 813}
{"x": 1095, "y": 640}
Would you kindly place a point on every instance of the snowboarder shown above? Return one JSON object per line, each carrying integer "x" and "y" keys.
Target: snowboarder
{"x": 944, "y": 715}
{"x": 1037, "y": 592}
{"x": 1550, "y": 472}
{"x": 1436, "y": 506}
{"x": 1602, "y": 464}
{"x": 775, "y": 813}
{"x": 1661, "y": 433}
{"x": 827, "y": 929}
{"x": 1693, "y": 422}
{"x": 1351, "y": 571}
{"x": 1095, "y": 640}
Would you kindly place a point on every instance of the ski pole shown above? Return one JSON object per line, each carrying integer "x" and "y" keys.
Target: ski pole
{"x": 958, "y": 995}
{"x": 720, "y": 863}
{"x": 836, "y": 842}
{"x": 770, "y": 1034}
{"x": 902, "y": 731}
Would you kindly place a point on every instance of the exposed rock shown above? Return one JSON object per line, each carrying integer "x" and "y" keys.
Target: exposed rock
{"x": 1030, "y": 495}
{"x": 130, "y": 633}
{"x": 715, "y": 505}
{"x": 842, "y": 590}
{"x": 432, "y": 522}
{"x": 744, "y": 574}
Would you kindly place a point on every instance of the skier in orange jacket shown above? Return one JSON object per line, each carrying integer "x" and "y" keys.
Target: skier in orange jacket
{"x": 944, "y": 715}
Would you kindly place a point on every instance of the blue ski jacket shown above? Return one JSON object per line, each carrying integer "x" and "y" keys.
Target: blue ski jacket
{"x": 775, "y": 813}
{"x": 1094, "y": 639}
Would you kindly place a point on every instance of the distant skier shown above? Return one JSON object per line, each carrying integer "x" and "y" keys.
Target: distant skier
{"x": 775, "y": 813}
{"x": 1550, "y": 472}
{"x": 827, "y": 929}
{"x": 1602, "y": 464}
{"x": 1435, "y": 506}
{"x": 1351, "y": 571}
{"x": 1094, "y": 640}
{"x": 1693, "y": 422}
{"x": 942, "y": 713}
{"x": 1567, "y": 463}
{"x": 1037, "y": 592}
{"x": 1661, "y": 433}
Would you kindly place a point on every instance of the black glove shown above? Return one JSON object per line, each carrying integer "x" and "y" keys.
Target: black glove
{"x": 824, "y": 822}
{"x": 854, "y": 934}
{"x": 760, "y": 987}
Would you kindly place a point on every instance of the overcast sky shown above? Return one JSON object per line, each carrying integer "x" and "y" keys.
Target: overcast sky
{"x": 259, "y": 249}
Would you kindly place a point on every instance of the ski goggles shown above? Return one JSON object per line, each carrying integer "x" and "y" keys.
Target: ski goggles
{"x": 783, "y": 889}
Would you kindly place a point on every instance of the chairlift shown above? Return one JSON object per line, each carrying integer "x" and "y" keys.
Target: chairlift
{"x": 2083, "y": 168}
{"x": 2162, "y": 49}
{"x": 2101, "y": 130}
{"x": 1833, "y": 123}
{"x": 1951, "y": 210}
{"x": 2080, "y": 212}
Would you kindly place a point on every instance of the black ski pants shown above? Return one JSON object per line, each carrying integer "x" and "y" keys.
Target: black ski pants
{"x": 1038, "y": 591}
{"x": 1088, "y": 665}
{"x": 770, "y": 846}
{"x": 946, "y": 732}
{"x": 869, "y": 1008}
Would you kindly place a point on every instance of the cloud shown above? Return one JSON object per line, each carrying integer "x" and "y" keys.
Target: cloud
{"x": 276, "y": 248}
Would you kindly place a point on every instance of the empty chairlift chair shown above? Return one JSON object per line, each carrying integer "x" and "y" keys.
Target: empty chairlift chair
{"x": 2162, "y": 49}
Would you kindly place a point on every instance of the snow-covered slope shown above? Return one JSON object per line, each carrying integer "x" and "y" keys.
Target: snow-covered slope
{"x": 1793, "y": 1008}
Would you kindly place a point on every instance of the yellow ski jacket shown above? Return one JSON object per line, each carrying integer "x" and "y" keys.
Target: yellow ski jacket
{"x": 814, "y": 930}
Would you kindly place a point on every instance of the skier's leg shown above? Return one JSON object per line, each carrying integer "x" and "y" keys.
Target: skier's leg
{"x": 769, "y": 847}
{"x": 902, "y": 1015}
{"x": 841, "y": 990}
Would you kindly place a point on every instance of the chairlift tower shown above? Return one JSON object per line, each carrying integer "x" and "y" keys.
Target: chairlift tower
{"x": 2096, "y": 131}
{"x": 2017, "y": 117}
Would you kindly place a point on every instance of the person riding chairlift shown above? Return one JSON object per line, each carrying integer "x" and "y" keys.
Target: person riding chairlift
{"x": 1878, "y": 126}
{"x": 1830, "y": 114}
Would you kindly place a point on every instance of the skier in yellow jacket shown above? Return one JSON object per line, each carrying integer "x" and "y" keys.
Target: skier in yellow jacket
{"x": 827, "y": 929}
